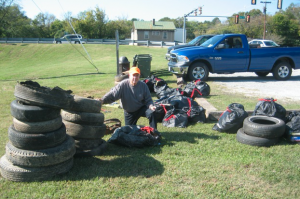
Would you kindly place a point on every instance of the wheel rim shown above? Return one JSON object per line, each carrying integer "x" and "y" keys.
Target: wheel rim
{"x": 198, "y": 73}
{"x": 283, "y": 71}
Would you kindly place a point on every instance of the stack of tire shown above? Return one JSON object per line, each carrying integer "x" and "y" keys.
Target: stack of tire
{"x": 38, "y": 146}
{"x": 261, "y": 131}
{"x": 122, "y": 76}
{"x": 85, "y": 123}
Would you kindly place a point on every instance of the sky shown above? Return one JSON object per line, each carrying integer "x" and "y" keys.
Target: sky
{"x": 148, "y": 10}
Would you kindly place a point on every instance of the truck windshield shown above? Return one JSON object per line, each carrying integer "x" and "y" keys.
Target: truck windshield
{"x": 212, "y": 41}
{"x": 193, "y": 42}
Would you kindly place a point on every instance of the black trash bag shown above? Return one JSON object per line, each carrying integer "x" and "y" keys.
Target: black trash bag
{"x": 180, "y": 102}
{"x": 231, "y": 119}
{"x": 195, "y": 113}
{"x": 175, "y": 118}
{"x": 269, "y": 107}
{"x": 292, "y": 132}
{"x": 135, "y": 136}
{"x": 161, "y": 110}
{"x": 159, "y": 89}
{"x": 150, "y": 83}
{"x": 169, "y": 92}
{"x": 196, "y": 88}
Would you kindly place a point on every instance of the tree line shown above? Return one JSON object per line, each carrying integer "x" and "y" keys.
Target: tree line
{"x": 283, "y": 27}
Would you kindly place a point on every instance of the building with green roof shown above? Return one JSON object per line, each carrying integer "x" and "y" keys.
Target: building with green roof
{"x": 153, "y": 30}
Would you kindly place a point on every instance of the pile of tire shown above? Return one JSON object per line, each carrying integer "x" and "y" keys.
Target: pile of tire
{"x": 38, "y": 146}
{"x": 261, "y": 131}
{"x": 84, "y": 122}
{"x": 122, "y": 76}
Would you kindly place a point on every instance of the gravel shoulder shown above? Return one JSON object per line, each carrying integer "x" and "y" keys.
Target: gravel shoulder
{"x": 250, "y": 84}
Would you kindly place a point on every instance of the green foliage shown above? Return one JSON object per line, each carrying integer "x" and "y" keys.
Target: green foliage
{"x": 94, "y": 23}
{"x": 192, "y": 162}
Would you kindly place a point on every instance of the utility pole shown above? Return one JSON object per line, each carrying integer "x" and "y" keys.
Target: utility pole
{"x": 265, "y": 13}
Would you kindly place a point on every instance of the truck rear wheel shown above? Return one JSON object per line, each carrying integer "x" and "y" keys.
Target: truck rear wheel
{"x": 282, "y": 71}
{"x": 198, "y": 70}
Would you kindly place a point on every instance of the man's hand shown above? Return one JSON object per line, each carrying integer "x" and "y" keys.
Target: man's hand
{"x": 151, "y": 107}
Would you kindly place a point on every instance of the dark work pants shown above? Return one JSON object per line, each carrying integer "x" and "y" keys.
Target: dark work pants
{"x": 132, "y": 117}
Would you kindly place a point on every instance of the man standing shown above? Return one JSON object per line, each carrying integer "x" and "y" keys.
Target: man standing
{"x": 135, "y": 99}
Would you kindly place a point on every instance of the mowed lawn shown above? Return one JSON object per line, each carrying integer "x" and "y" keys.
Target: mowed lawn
{"x": 192, "y": 162}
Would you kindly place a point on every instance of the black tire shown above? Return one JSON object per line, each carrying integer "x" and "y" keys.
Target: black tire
{"x": 198, "y": 70}
{"x": 121, "y": 77}
{"x": 29, "y": 113}
{"x": 37, "y": 127}
{"x": 261, "y": 74}
{"x": 99, "y": 150}
{"x": 36, "y": 141}
{"x": 254, "y": 141}
{"x": 28, "y": 174}
{"x": 87, "y": 144}
{"x": 282, "y": 71}
{"x": 43, "y": 157}
{"x": 83, "y": 104}
{"x": 264, "y": 126}
{"x": 58, "y": 42}
{"x": 32, "y": 93}
{"x": 83, "y": 117}
{"x": 80, "y": 131}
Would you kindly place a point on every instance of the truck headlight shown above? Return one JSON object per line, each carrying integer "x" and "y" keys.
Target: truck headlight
{"x": 182, "y": 58}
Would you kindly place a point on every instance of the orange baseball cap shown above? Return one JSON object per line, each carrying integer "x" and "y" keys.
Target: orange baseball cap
{"x": 134, "y": 70}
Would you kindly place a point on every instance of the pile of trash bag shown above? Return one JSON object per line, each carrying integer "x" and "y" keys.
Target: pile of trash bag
{"x": 176, "y": 107}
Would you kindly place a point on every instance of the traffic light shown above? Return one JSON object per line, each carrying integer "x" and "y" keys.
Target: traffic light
{"x": 236, "y": 19}
{"x": 200, "y": 10}
{"x": 195, "y": 13}
{"x": 253, "y": 2}
{"x": 279, "y": 4}
{"x": 248, "y": 18}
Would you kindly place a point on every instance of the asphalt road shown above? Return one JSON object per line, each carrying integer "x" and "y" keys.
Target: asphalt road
{"x": 251, "y": 85}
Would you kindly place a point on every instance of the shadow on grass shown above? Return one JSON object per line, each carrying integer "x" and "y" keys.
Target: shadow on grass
{"x": 161, "y": 72}
{"x": 63, "y": 76}
{"x": 137, "y": 165}
{"x": 170, "y": 138}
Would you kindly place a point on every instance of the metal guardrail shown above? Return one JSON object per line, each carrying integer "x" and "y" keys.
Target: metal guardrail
{"x": 92, "y": 41}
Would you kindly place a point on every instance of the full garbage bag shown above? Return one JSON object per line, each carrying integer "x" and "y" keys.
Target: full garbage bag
{"x": 196, "y": 88}
{"x": 231, "y": 119}
{"x": 269, "y": 107}
{"x": 175, "y": 118}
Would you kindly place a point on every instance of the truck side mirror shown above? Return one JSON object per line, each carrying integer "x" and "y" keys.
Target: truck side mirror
{"x": 220, "y": 46}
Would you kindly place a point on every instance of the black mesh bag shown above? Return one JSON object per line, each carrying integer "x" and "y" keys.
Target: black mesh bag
{"x": 268, "y": 107}
{"x": 231, "y": 119}
{"x": 135, "y": 136}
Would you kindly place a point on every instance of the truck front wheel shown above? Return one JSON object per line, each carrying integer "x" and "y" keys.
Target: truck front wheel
{"x": 198, "y": 70}
{"x": 282, "y": 71}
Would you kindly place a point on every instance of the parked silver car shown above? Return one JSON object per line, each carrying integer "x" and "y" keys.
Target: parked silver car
{"x": 263, "y": 43}
{"x": 70, "y": 38}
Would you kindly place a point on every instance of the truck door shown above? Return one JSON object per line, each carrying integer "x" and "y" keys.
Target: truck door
{"x": 233, "y": 57}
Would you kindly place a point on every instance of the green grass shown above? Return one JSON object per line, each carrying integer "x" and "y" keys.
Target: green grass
{"x": 192, "y": 162}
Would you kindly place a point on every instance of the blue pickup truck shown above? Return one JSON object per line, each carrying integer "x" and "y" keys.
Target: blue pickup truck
{"x": 231, "y": 53}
